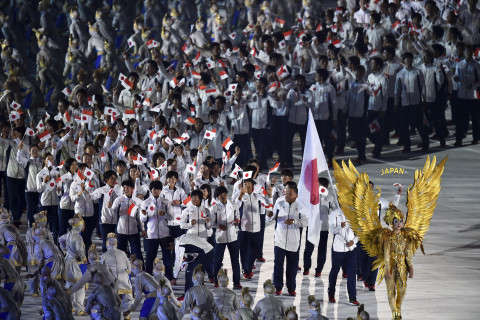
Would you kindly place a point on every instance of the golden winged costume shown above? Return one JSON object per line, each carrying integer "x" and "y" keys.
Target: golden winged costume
{"x": 394, "y": 250}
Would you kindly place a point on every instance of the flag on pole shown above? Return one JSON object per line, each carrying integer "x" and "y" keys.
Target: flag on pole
{"x": 313, "y": 163}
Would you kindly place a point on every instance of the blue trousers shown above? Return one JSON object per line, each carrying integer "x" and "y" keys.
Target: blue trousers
{"x": 90, "y": 223}
{"x": 291, "y": 269}
{"x": 242, "y": 141}
{"x": 203, "y": 258}
{"x": 32, "y": 199}
{"x": 16, "y": 197}
{"x": 151, "y": 250}
{"x": 261, "y": 141}
{"x": 358, "y": 127}
{"x": 234, "y": 251}
{"x": 135, "y": 245}
{"x": 367, "y": 265}
{"x": 63, "y": 216}
{"x": 349, "y": 261}
{"x": 377, "y": 137}
{"x": 248, "y": 242}
{"x": 52, "y": 220}
{"x": 262, "y": 236}
{"x": 106, "y": 228}
{"x": 279, "y": 135}
{"x": 3, "y": 185}
{"x": 321, "y": 254}
{"x": 291, "y": 130}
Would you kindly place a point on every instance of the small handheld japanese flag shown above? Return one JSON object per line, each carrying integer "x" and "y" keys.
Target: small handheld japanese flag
{"x": 14, "y": 115}
{"x": 374, "y": 126}
{"x": 151, "y": 148}
{"x": 227, "y": 143}
{"x": 152, "y": 44}
{"x": 190, "y": 121}
{"x": 130, "y": 42}
{"x": 88, "y": 173}
{"x": 247, "y": 174}
{"x": 131, "y": 209}
{"x": 223, "y": 75}
{"x": 15, "y": 105}
{"x": 282, "y": 44}
{"x": 129, "y": 114}
{"x": 29, "y": 132}
{"x": 210, "y": 134}
{"x": 87, "y": 115}
{"x": 103, "y": 157}
{"x": 127, "y": 84}
{"x": 287, "y": 34}
{"x": 80, "y": 175}
{"x": 187, "y": 200}
{"x": 40, "y": 126}
{"x": 44, "y": 136}
{"x": 66, "y": 92}
{"x": 279, "y": 22}
{"x": 153, "y": 173}
{"x": 232, "y": 87}
{"x": 233, "y": 35}
{"x": 190, "y": 168}
{"x": 195, "y": 75}
{"x": 236, "y": 171}
{"x": 197, "y": 58}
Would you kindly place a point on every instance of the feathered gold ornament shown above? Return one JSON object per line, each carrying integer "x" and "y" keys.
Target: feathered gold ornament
{"x": 393, "y": 250}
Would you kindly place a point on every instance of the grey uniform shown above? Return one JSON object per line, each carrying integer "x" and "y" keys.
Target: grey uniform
{"x": 96, "y": 267}
{"x": 204, "y": 298}
{"x": 227, "y": 301}
{"x": 315, "y": 315}
{"x": 8, "y": 308}
{"x": 55, "y": 308}
{"x": 166, "y": 310}
{"x": 144, "y": 283}
{"x": 244, "y": 314}
{"x": 13, "y": 282}
{"x": 104, "y": 303}
{"x": 269, "y": 308}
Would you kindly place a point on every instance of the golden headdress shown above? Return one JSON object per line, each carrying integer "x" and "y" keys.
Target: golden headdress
{"x": 391, "y": 213}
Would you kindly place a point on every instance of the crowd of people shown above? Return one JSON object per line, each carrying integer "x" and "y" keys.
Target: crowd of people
{"x": 132, "y": 127}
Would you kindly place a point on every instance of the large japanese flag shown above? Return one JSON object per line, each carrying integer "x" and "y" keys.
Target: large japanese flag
{"x": 308, "y": 188}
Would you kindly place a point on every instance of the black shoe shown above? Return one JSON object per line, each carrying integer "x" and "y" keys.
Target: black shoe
{"x": 425, "y": 148}
{"x": 474, "y": 142}
{"x": 406, "y": 150}
{"x": 458, "y": 144}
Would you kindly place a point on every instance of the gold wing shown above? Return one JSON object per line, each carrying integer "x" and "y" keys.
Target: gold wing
{"x": 360, "y": 206}
{"x": 422, "y": 199}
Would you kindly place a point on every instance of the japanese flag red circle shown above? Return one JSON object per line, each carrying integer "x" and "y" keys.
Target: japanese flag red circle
{"x": 89, "y": 173}
{"x": 208, "y": 134}
{"x": 122, "y": 78}
{"x": 322, "y": 190}
{"x": 84, "y": 118}
{"x": 52, "y": 184}
{"x": 151, "y": 208}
